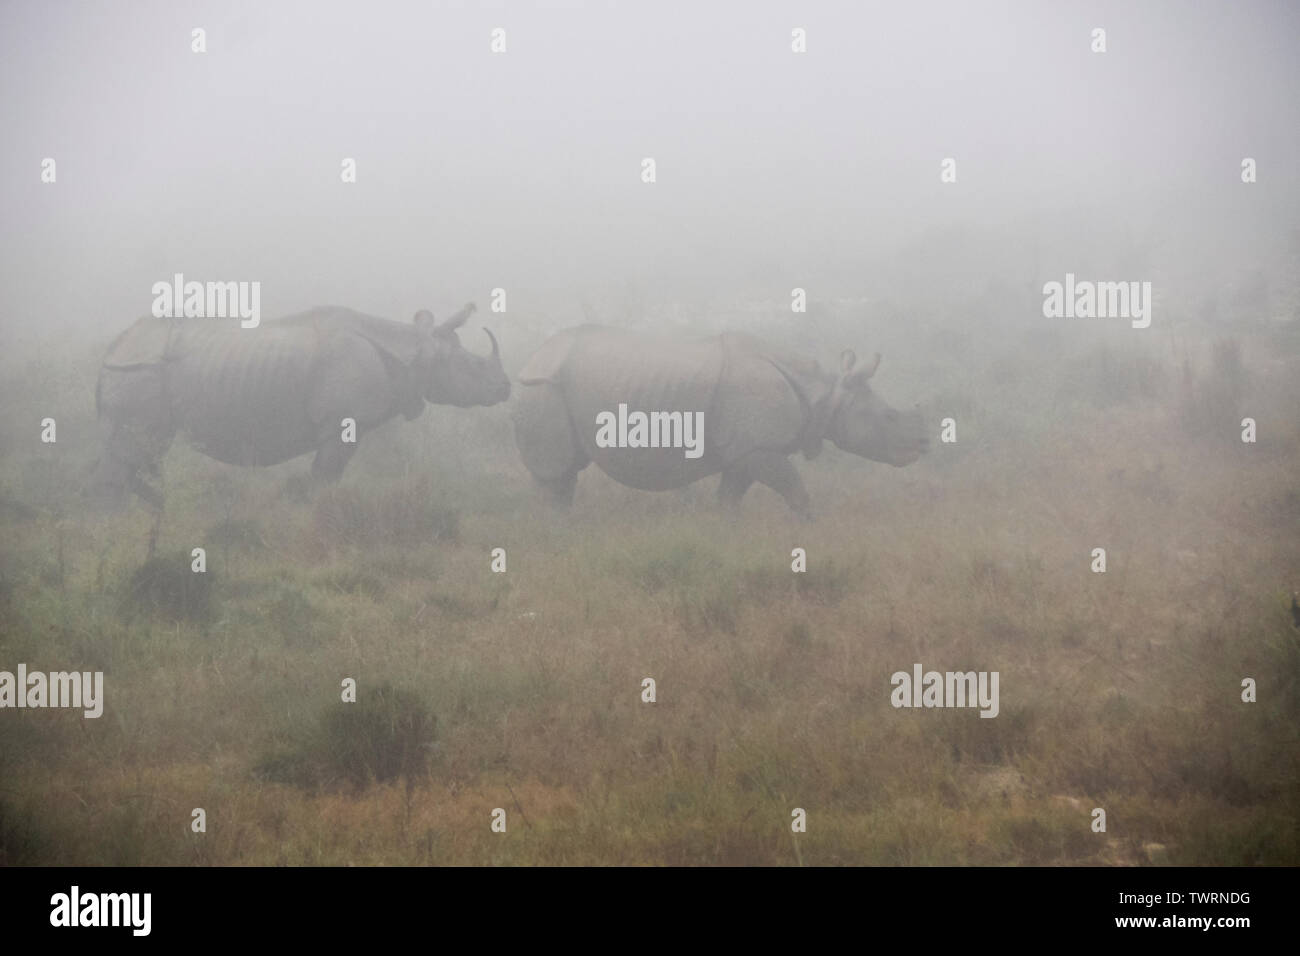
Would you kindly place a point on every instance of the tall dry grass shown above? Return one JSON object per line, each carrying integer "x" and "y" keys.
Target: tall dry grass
{"x": 523, "y": 690}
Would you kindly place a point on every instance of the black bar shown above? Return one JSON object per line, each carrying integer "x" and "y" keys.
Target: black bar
{"x": 235, "y": 905}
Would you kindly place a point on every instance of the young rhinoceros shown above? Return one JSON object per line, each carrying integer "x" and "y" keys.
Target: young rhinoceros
{"x": 654, "y": 413}
{"x": 263, "y": 395}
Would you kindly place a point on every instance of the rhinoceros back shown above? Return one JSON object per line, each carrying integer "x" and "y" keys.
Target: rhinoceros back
{"x": 603, "y": 368}
{"x": 754, "y": 399}
{"x": 240, "y": 393}
{"x": 243, "y": 394}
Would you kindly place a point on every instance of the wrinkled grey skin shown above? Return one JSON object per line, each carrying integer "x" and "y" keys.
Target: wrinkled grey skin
{"x": 263, "y": 395}
{"x": 760, "y": 404}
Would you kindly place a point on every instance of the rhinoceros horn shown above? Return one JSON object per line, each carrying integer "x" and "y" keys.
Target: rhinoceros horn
{"x": 496, "y": 350}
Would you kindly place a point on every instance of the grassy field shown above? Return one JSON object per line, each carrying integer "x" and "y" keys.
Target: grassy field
{"x": 522, "y": 690}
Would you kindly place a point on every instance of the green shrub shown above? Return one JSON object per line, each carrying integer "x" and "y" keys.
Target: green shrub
{"x": 165, "y": 585}
{"x": 387, "y": 734}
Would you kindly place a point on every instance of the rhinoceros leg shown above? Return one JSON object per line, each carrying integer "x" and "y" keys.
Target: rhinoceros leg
{"x": 331, "y": 458}
{"x": 735, "y": 482}
{"x": 129, "y": 449}
{"x": 559, "y": 491}
{"x": 768, "y": 468}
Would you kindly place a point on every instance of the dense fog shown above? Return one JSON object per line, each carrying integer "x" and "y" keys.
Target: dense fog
{"x": 1001, "y": 418}
{"x": 522, "y": 170}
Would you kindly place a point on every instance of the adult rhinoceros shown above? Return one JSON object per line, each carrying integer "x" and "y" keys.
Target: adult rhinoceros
{"x": 263, "y": 395}
{"x": 752, "y": 402}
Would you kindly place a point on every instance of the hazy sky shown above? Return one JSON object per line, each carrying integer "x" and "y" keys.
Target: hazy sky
{"x": 522, "y": 169}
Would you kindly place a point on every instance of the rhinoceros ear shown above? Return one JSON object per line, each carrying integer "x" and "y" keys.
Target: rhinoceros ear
{"x": 848, "y": 359}
{"x": 459, "y": 319}
{"x": 425, "y": 322}
{"x": 863, "y": 372}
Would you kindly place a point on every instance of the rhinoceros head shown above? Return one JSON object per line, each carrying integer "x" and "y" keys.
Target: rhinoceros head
{"x": 864, "y": 424}
{"x": 452, "y": 375}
